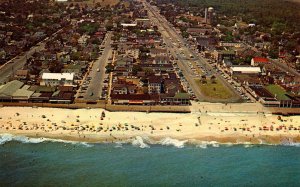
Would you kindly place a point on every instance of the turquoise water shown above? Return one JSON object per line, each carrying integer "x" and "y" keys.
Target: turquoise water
{"x": 66, "y": 164}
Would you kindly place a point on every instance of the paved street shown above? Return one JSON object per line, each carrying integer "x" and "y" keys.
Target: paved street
{"x": 97, "y": 72}
{"x": 17, "y": 63}
{"x": 285, "y": 68}
{"x": 176, "y": 45}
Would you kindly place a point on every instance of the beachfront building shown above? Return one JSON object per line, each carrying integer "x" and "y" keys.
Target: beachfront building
{"x": 23, "y": 94}
{"x": 8, "y": 89}
{"x": 136, "y": 99}
{"x": 57, "y": 79}
{"x": 177, "y": 99}
{"x": 15, "y": 91}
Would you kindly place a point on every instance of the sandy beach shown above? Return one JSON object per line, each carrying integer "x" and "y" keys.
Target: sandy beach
{"x": 214, "y": 122}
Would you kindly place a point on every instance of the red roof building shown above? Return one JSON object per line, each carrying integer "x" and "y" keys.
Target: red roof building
{"x": 259, "y": 60}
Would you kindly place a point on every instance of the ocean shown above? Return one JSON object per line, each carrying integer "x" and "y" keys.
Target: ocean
{"x": 45, "y": 162}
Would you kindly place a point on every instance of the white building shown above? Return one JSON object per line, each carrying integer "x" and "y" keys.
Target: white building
{"x": 55, "y": 79}
{"x": 244, "y": 70}
{"x": 129, "y": 24}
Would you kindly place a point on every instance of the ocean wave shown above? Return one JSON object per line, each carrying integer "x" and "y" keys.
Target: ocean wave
{"x": 289, "y": 142}
{"x": 248, "y": 145}
{"x": 205, "y": 144}
{"x": 23, "y": 139}
{"x": 146, "y": 142}
{"x": 139, "y": 142}
{"x": 174, "y": 142}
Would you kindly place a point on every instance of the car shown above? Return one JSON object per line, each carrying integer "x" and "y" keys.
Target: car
{"x": 91, "y": 94}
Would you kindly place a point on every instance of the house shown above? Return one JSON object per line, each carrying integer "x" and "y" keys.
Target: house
{"x": 205, "y": 43}
{"x": 161, "y": 60}
{"x": 83, "y": 40}
{"x": 155, "y": 84}
{"x": 158, "y": 52}
{"x": 177, "y": 99}
{"x": 62, "y": 97}
{"x": 259, "y": 60}
{"x": 56, "y": 79}
{"x": 263, "y": 96}
{"x": 227, "y": 63}
{"x": 231, "y": 44}
{"x": 40, "y": 97}
{"x": 21, "y": 74}
{"x": 135, "y": 99}
{"x": 143, "y": 22}
{"x": 199, "y": 31}
{"x": 158, "y": 67}
{"x": 119, "y": 89}
{"x": 128, "y": 25}
{"x": 134, "y": 53}
{"x": 220, "y": 55}
{"x": 76, "y": 69}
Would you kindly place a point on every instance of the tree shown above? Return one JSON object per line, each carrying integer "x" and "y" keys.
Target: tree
{"x": 55, "y": 67}
{"x": 203, "y": 79}
{"x": 135, "y": 69}
{"x": 278, "y": 27}
{"x": 213, "y": 79}
{"x": 185, "y": 34}
{"x": 109, "y": 25}
{"x": 144, "y": 80}
{"x": 109, "y": 68}
{"x": 148, "y": 71}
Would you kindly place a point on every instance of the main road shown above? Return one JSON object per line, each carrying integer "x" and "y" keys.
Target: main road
{"x": 176, "y": 44}
{"x": 10, "y": 67}
{"x": 97, "y": 72}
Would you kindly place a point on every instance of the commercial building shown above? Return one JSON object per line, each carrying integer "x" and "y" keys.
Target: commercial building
{"x": 244, "y": 70}
{"x": 56, "y": 79}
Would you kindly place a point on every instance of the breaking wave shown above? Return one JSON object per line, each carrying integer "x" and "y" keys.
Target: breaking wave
{"x": 146, "y": 142}
{"x": 139, "y": 142}
{"x": 4, "y": 138}
{"x": 174, "y": 142}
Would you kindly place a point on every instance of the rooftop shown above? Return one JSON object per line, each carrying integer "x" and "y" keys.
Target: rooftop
{"x": 246, "y": 68}
{"x": 58, "y": 76}
{"x": 11, "y": 87}
{"x": 260, "y": 59}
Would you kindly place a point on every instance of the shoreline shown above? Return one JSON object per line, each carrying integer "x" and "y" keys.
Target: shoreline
{"x": 85, "y": 125}
{"x": 143, "y": 142}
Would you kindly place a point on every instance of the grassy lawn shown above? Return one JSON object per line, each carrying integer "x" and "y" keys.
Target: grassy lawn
{"x": 217, "y": 90}
{"x": 278, "y": 91}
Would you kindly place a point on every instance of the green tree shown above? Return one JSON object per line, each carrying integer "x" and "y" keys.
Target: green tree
{"x": 109, "y": 68}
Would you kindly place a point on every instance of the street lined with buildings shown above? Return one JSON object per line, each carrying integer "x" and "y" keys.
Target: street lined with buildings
{"x": 177, "y": 44}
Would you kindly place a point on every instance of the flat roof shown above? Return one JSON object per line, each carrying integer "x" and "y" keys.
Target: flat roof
{"x": 128, "y": 24}
{"x": 248, "y": 69}
{"x": 22, "y": 93}
{"x": 58, "y": 76}
{"x": 11, "y": 87}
